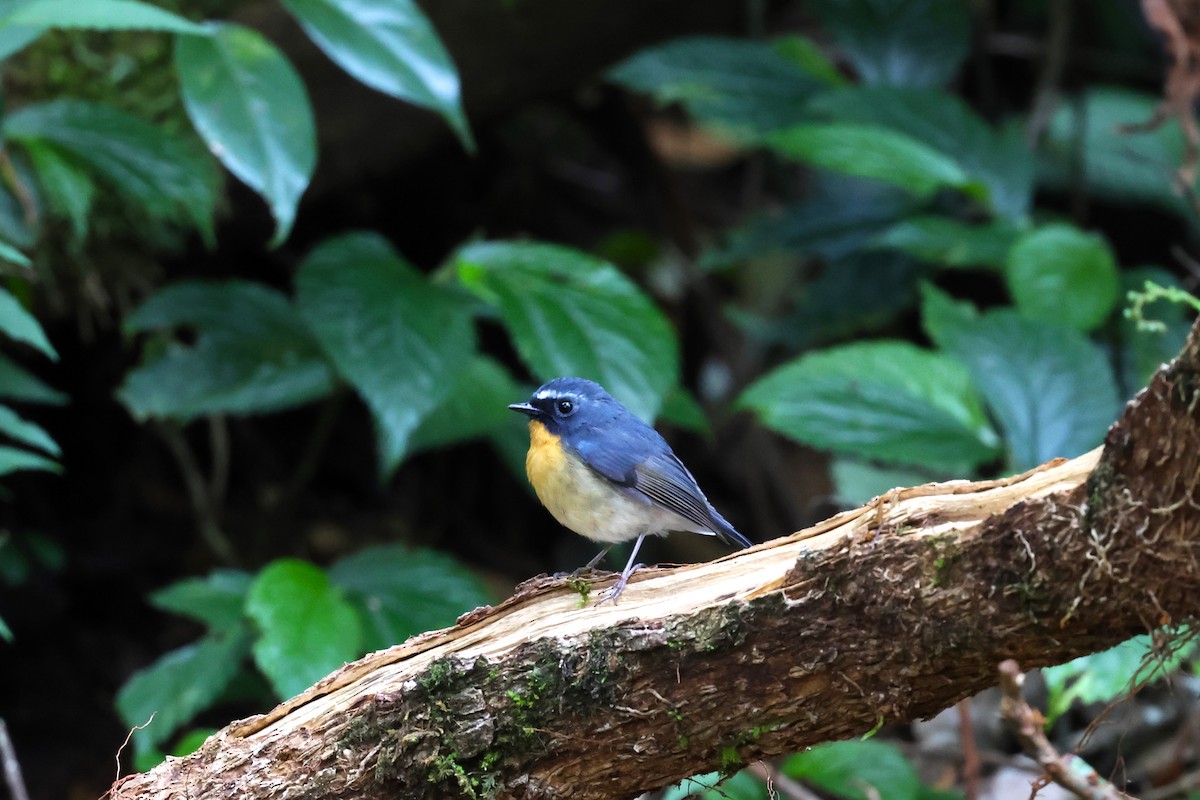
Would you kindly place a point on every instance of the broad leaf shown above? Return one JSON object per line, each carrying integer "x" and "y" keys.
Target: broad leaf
{"x": 401, "y": 592}
{"x": 26, "y": 432}
{"x": 871, "y": 151}
{"x": 997, "y": 160}
{"x": 745, "y": 785}
{"x": 950, "y": 242}
{"x": 14, "y": 460}
{"x": 389, "y": 45}
{"x": 252, "y": 354}
{"x": 14, "y": 38}
{"x": 250, "y": 106}
{"x": 17, "y": 384}
{"x": 13, "y": 255}
{"x": 886, "y": 400}
{"x": 1051, "y": 389}
{"x": 1059, "y": 273}
{"x": 216, "y": 600}
{"x": 572, "y": 314}
{"x": 1101, "y": 677}
{"x": 856, "y": 770}
{"x": 167, "y": 176}
{"x": 100, "y": 15}
{"x": 19, "y": 324}
{"x": 307, "y": 628}
{"x": 856, "y": 481}
{"x": 399, "y": 339}
{"x": 1085, "y": 141}
{"x": 744, "y": 88}
{"x": 68, "y": 188}
{"x": 474, "y": 407}
{"x": 900, "y": 42}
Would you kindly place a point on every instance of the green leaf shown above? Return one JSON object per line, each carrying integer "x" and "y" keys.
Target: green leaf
{"x": 216, "y": 600}
{"x": 191, "y": 741}
{"x": 856, "y": 770}
{"x": 837, "y": 218}
{"x": 871, "y": 151}
{"x": 856, "y": 482}
{"x": 180, "y": 685}
{"x": 26, "y": 432}
{"x": 400, "y": 592}
{"x": 1058, "y": 273}
{"x": 682, "y": 410}
{"x": 69, "y": 190}
{"x": 5, "y": 632}
{"x": 17, "y": 384}
{"x": 307, "y": 627}
{"x": 900, "y": 42}
{"x": 14, "y": 460}
{"x": 1051, "y": 389}
{"x": 102, "y": 15}
{"x": 1143, "y": 352}
{"x": 811, "y": 58}
{"x": 167, "y": 176}
{"x": 14, "y": 38}
{"x": 13, "y": 255}
{"x": 743, "y": 88}
{"x": 572, "y": 314}
{"x": 1084, "y": 141}
{"x": 252, "y": 354}
{"x": 250, "y": 106}
{"x": 998, "y": 162}
{"x": 886, "y": 400}
{"x": 400, "y": 340}
{"x": 951, "y": 242}
{"x": 389, "y": 45}
{"x": 19, "y": 324}
{"x": 942, "y": 315}
{"x": 745, "y": 785}
{"x": 1101, "y": 677}
{"x": 474, "y": 407}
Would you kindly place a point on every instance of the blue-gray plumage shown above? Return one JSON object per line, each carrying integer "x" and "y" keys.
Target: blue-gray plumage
{"x": 607, "y": 475}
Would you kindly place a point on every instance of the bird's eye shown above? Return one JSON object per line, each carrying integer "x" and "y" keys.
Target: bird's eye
{"x": 565, "y": 407}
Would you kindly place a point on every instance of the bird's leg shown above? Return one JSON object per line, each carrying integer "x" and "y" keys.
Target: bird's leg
{"x": 614, "y": 591}
{"x": 586, "y": 567}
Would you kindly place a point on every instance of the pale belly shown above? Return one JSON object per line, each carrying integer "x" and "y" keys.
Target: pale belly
{"x": 586, "y": 503}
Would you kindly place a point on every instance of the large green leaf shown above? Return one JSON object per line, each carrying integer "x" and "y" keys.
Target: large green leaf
{"x": 1059, "y": 273}
{"x": 950, "y": 242}
{"x": 474, "y": 407}
{"x": 744, "y": 88}
{"x": 252, "y": 354}
{"x": 389, "y": 45}
{"x": 900, "y": 42}
{"x": 1101, "y": 677}
{"x": 99, "y": 15}
{"x": 14, "y": 460}
{"x": 17, "y": 384}
{"x": 745, "y": 785}
{"x": 885, "y": 400}
{"x": 871, "y": 151}
{"x": 250, "y": 106}
{"x": 856, "y": 770}
{"x": 401, "y": 592}
{"x": 19, "y": 324}
{"x": 12, "y": 255}
{"x": 14, "y": 38}
{"x": 307, "y": 628}
{"x": 217, "y": 600}
{"x": 169, "y": 177}
{"x": 572, "y": 314}
{"x": 180, "y": 685}
{"x": 1051, "y": 389}
{"x": 399, "y": 339}
{"x": 996, "y": 159}
{"x": 26, "y": 432}
{"x": 68, "y": 188}
{"x": 1085, "y": 141}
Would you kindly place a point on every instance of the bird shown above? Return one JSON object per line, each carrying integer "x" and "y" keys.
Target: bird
{"x": 605, "y": 474}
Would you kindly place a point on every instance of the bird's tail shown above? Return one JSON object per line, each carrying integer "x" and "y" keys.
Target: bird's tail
{"x": 726, "y": 532}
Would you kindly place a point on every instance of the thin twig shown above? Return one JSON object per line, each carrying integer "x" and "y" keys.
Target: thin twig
{"x": 218, "y": 444}
{"x": 12, "y": 767}
{"x": 1049, "y": 80}
{"x": 198, "y": 492}
{"x": 1027, "y": 724}
{"x": 788, "y": 787}
{"x": 971, "y": 763}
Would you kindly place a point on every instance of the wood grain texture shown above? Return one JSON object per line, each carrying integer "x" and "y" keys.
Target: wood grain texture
{"x": 886, "y": 613}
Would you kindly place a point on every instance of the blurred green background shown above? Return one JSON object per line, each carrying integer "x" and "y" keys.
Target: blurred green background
{"x": 273, "y": 270}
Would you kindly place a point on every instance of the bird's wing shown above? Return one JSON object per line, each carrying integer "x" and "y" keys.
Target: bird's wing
{"x": 665, "y": 480}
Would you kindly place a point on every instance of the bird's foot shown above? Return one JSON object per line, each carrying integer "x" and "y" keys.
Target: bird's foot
{"x": 614, "y": 591}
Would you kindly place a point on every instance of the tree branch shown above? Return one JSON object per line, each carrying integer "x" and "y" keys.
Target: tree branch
{"x": 886, "y": 613}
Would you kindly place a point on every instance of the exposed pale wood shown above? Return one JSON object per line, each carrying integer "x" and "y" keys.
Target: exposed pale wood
{"x": 888, "y": 612}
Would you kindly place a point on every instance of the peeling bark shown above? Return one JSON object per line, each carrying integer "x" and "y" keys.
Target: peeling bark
{"x": 886, "y": 613}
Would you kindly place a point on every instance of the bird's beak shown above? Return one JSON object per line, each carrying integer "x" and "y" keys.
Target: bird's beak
{"x": 524, "y": 408}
